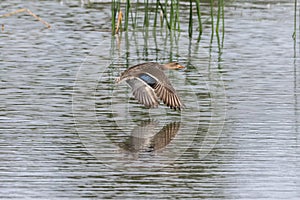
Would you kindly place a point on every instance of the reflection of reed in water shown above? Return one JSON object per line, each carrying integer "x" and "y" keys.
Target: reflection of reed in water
{"x": 144, "y": 138}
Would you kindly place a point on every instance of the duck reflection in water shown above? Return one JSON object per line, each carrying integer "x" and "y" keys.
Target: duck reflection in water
{"x": 144, "y": 138}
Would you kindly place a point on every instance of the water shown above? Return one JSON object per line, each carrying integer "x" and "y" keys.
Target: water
{"x": 67, "y": 131}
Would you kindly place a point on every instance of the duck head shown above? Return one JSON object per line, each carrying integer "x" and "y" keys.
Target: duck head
{"x": 173, "y": 65}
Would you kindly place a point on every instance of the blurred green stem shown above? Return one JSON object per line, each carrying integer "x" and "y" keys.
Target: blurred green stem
{"x": 191, "y": 19}
{"x": 212, "y": 20}
{"x": 199, "y": 16}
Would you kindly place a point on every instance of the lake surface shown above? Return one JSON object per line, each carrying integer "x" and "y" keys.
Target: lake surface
{"x": 67, "y": 131}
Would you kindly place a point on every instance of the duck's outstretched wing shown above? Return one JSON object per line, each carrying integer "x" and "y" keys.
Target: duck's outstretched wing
{"x": 163, "y": 88}
{"x": 143, "y": 92}
{"x": 149, "y": 84}
{"x": 168, "y": 95}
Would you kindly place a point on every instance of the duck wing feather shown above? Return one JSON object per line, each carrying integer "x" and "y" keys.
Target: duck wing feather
{"x": 169, "y": 96}
{"x": 143, "y": 92}
{"x": 149, "y": 82}
{"x": 162, "y": 88}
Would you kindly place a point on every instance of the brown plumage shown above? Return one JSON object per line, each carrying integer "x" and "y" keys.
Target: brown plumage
{"x": 149, "y": 84}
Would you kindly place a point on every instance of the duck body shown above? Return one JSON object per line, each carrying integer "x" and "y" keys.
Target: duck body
{"x": 149, "y": 84}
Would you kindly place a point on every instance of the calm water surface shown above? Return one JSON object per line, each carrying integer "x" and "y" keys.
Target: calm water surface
{"x": 68, "y": 132}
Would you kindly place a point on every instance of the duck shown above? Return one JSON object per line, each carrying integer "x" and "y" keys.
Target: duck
{"x": 150, "y": 85}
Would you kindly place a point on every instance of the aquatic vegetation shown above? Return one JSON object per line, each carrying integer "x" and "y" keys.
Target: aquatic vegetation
{"x": 169, "y": 15}
{"x": 26, "y": 10}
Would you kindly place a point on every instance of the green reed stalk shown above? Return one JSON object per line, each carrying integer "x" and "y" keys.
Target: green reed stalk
{"x": 166, "y": 6}
{"x": 136, "y": 13}
{"x": 155, "y": 15}
{"x": 295, "y": 21}
{"x": 164, "y": 14}
{"x": 218, "y": 17}
{"x": 113, "y": 13}
{"x": 146, "y": 18}
{"x": 166, "y": 11}
{"x": 295, "y": 29}
{"x": 127, "y": 14}
{"x": 199, "y": 16}
{"x": 171, "y": 14}
{"x": 212, "y": 20}
{"x": 161, "y": 14}
{"x": 132, "y": 18}
{"x": 177, "y": 15}
{"x": 191, "y": 19}
{"x": 223, "y": 23}
{"x": 218, "y": 23}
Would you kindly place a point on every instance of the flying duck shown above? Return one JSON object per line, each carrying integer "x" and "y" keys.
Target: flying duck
{"x": 149, "y": 84}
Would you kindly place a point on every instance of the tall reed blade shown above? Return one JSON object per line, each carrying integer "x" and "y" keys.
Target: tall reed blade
{"x": 169, "y": 12}
{"x": 113, "y": 16}
{"x": 146, "y": 17}
{"x": 295, "y": 28}
{"x": 199, "y": 16}
{"x": 218, "y": 23}
{"x": 155, "y": 15}
{"x": 164, "y": 14}
{"x": 172, "y": 14}
{"x": 127, "y": 14}
{"x": 177, "y": 15}
{"x": 212, "y": 20}
{"x": 191, "y": 19}
{"x": 223, "y": 23}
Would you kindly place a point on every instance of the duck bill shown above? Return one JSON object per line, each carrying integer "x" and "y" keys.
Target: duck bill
{"x": 181, "y": 67}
